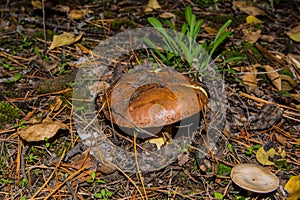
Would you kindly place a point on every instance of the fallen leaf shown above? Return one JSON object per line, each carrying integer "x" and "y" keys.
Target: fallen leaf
{"x": 250, "y": 77}
{"x": 210, "y": 30}
{"x": 263, "y": 157}
{"x": 64, "y": 40}
{"x": 251, "y": 36}
{"x": 152, "y": 5}
{"x": 249, "y": 9}
{"x": 294, "y": 33}
{"x": 287, "y": 83}
{"x": 251, "y": 19}
{"x": 37, "y": 5}
{"x": 293, "y": 188}
{"x": 167, "y": 15}
{"x": 78, "y": 14}
{"x": 38, "y": 132}
{"x": 159, "y": 141}
{"x": 274, "y": 76}
{"x": 267, "y": 38}
{"x": 282, "y": 140}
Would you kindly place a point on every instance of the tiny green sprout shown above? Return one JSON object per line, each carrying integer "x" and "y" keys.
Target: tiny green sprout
{"x": 17, "y": 77}
{"x": 249, "y": 150}
{"x": 229, "y": 146}
{"x": 20, "y": 125}
{"x": 23, "y": 182}
{"x": 31, "y": 158}
{"x": 103, "y": 194}
{"x": 93, "y": 176}
{"x": 218, "y": 195}
{"x": 47, "y": 144}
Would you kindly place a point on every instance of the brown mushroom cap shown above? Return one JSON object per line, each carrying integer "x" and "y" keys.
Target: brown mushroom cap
{"x": 254, "y": 178}
{"x": 153, "y": 98}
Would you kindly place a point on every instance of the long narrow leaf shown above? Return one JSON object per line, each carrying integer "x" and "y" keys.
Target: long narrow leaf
{"x": 221, "y": 30}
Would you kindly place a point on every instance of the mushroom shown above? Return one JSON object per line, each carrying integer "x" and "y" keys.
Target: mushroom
{"x": 151, "y": 99}
{"x": 254, "y": 178}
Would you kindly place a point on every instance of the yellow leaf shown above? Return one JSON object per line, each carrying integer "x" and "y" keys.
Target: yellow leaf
{"x": 159, "y": 141}
{"x": 263, "y": 157}
{"x": 251, "y": 19}
{"x": 78, "y": 14}
{"x": 293, "y": 188}
{"x": 294, "y": 33}
{"x": 273, "y": 76}
{"x": 64, "y": 40}
{"x": 152, "y": 5}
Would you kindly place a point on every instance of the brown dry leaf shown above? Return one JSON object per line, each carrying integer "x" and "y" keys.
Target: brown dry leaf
{"x": 62, "y": 8}
{"x": 249, "y": 9}
{"x": 267, "y": 38}
{"x": 78, "y": 14}
{"x": 273, "y": 76}
{"x": 64, "y": 40}
{"x": 251, "y": 36}
{"x": 293, "y": 188}
{"x": 36, "y": 4}
{"x": 295, "y": 63}
{"x": 294, "y": 33}
{"x": 250, "y": 77}
{"x": 46, "y": 65}
{"x": 152, "y": 5}
{"x": 167, "y": 15}
{"x": 210, "y": 30}
{"x": 282, "y": 140}
{"x": 38, "y": 132}
{"x": 251, "y": 19}
{"x": 287, "y": 82}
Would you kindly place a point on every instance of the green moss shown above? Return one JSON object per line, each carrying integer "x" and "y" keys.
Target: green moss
{"x": 8, "y": 114}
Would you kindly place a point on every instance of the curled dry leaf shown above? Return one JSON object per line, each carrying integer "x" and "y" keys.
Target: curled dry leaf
{"x": 293, "y": 188}
{"x": 167, "y": 15}
{"x": 287, "y": 83}
{"x": 274, "y": 76}
{"x": 64, "y": 40}
{"x": 251, "y": 36}
{"x": 78, "y": 14}
{"x": 152, "y": 5}
{"x": 250, "y": 77}
{"x": 294, "y": 33}
{"x": 249, "y": 9}
{"x": 38, "y": 132}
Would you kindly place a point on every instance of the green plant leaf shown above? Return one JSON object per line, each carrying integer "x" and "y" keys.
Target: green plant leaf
{"x": 154, "y": 22}
{"x": 17, "y": 76}
{"x": 188, "y": 14}
{"x": 218, "y": 195}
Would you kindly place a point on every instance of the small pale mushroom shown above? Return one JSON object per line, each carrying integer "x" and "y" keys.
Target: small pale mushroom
{"x": 254, "y": 178}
